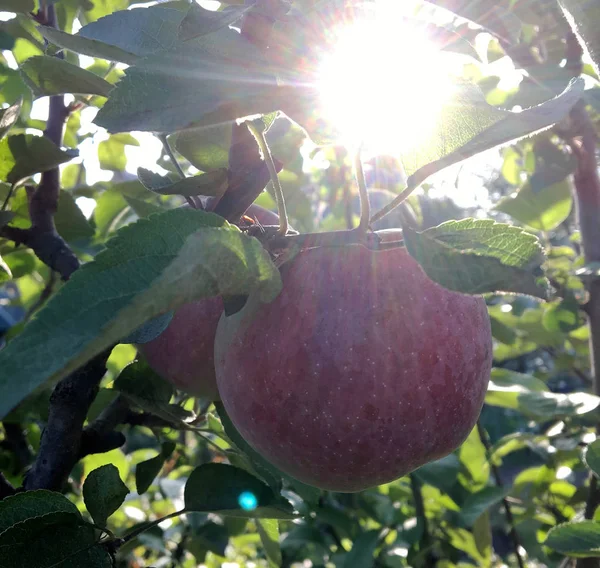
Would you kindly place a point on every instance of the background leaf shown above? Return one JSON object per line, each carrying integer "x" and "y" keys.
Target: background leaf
{"x": 103, "y": 493}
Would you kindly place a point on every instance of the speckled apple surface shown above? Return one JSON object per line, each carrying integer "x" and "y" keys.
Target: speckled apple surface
{"x": 361, "y": 370}
{"x": 184, "y": 353}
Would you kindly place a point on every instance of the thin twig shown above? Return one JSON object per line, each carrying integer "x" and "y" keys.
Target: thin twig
{"x": 514, "y": 535}
{"x": 169, "y": 151}
{"x": 365, "y": 207}
{"x": 402, "y": 196}
{"x": 258, "y": 130}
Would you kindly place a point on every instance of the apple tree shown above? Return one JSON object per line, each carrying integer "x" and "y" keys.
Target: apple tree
{"x": 280, "y": 288}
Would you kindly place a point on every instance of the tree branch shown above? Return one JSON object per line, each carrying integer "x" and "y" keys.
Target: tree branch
{"x": 60, "y": 446}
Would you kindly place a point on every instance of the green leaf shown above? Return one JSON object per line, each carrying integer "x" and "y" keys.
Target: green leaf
{"x": 147, "y": 390}
{"x": 150, "y": 267}
{"x": 22, "y": 6}
{"x": 205, "y": 148}
{"x": 70, "y": 221}
{"x": 543, "y": 210}
{"x": 23, "y": 155}
{"x": 473, "y": 457}
{"x": 146, "y": 471}
{"x": 114, "y": 457}
{"x": 22, "y": 506}
{"x": 199, "y": 21}
{"x": 210, "y": 184}
{"x": 577, "y": 539}
{"x": 482, "y": 534}
{"x": 478, "y": 503}
{"x": 169, "y": 91}
{"x": 54, "y": 540}
{"x": 85, "y": 46}
{"x": 125, "y": 35}
{"x": 53, "y": 76}
{"x": 584, "y": 15}
{"x": 221, "y": 488}
{"x": 363, "y": 550}
{"x": 103, "y": 493}
{"x": 440, "y": 473}
{"x": 268, "y": 529}
{"x": 9, "y": 116}
{"x": 563, "y": 316}
{"x": 479, "y": 256}
{"x": 111, "y": 152}
{"x": 141, "y": 207}
{"x": 591, "y": 456}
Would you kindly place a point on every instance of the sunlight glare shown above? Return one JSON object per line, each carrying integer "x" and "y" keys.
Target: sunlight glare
{"x": 384, "y": 84}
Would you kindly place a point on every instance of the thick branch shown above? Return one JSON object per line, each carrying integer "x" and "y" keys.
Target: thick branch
{"x": 60, "y": 447}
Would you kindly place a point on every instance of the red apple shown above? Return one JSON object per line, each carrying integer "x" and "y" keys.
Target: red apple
{"x": 360, "y": 371}
{"x": 184, "y": 353}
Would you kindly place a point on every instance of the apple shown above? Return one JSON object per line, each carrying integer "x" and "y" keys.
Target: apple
{"x": 184, "y": 353}
{"x": 359, "y": 372}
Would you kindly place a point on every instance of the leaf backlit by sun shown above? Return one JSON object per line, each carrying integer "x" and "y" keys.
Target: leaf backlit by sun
{"x": 384, "y": 84}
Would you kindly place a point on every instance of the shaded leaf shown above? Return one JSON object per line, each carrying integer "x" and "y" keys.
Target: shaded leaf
{"x": 211, "y": 184}
{"x": 478, "y": 503}
{"x": 363, "y": 550}
{"x": 53, "y": 76}
{"x": 22, "y": 6}
{"x": 149, "y": 330}
{"x": 70, "y": 221}
{"x": 54, "y": 540}
{"x": 103, "y": 493}
{"x": 8, "y": 117}
{"x": 199, "y": 21}
{"x": 146, "y": 471}
{"x": 150, "y": 267}
{"x": 232, "y": 491}
{"x": 591, "y": 456}
{"x": 479, "y": 256}
{"x": 169, "y": 91}
{"x": 29, "y": 504}
{"x": 23, "y": 155}
{"x": 584, "y": 15}
{"x": 578, "y": 539}
{"x": 268, "y": 529}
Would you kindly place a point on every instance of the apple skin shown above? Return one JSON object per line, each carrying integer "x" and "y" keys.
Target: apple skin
{"x": 184, "y": 353}
{"x": 359, "y": 372}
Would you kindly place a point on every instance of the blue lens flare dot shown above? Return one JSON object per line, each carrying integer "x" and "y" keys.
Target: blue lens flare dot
{"x": 247, "y": 501}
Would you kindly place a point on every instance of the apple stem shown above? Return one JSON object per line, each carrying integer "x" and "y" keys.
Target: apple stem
{"x": 168, "y": 150}
{"x": 257, "y": 128}
{"x": 365, "y": 206}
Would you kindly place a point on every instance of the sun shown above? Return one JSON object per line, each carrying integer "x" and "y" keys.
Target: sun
{"x": 383, "y": 84}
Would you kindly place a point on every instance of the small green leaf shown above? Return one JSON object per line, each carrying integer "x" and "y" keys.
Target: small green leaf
{"x": 151, "y": 267}
{"x": 205, "y": 148}
{"x": 577, "y": 539}
{"x": 563, "y": 316}
{"x": 70, "y": 221}
{"x": 232, "y": 491}
{"x": 53, "y": 76}
{"x": 103, "y": 493}
{"x": 146, "y": 471}
{"x": 479, "y": 256}
{"x": 482, "y": 534}
{"x": 54, "y": 540}
{"x": 544, "y": 210}
{"x": 199, "y": 21}
{"x": 211, "y": 184}
{"x": 111, "y": 152}
{"x": 591, "y": 456}
{"x": 22, "y": 506}
{"x": 478, "y": 503}
{"x": 440, "y": 473}
{"x": 363, "y": 550}
{"x": 23, "y": 155}
{"x": 9, "y": 116}
{"x": 473, "y": 457}
{"x": 141, "y": 207}
{"x": 268, "y": 529}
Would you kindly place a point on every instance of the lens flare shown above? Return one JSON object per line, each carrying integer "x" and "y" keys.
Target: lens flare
{"x": 248, "y": 501}
{"x": 383, "y": 84}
